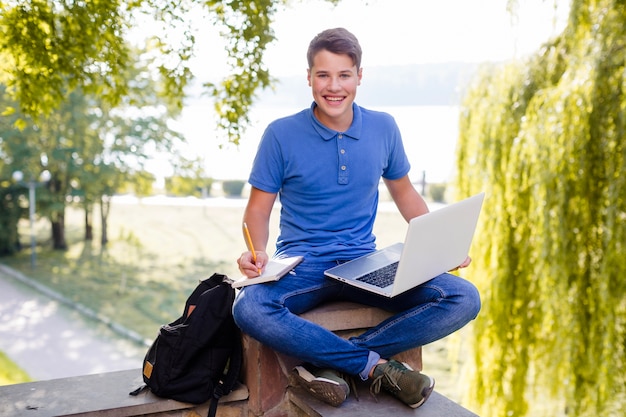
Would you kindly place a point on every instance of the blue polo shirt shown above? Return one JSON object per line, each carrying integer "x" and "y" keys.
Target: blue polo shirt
{"x": 328, "y": 181}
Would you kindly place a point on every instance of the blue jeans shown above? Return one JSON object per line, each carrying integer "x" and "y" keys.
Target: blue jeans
{"x": 269, "y": 313}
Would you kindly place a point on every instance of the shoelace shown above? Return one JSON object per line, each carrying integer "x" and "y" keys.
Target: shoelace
{"x": 391, "y": 375}
{"x": 351, "y": 383}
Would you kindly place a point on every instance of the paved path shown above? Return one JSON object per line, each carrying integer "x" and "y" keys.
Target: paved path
{"x": 49, "y": 339}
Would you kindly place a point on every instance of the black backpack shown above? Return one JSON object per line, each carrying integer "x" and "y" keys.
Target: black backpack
{"x": 197, "y": 357}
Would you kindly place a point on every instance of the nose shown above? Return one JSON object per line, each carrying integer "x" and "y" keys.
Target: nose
{"x": 334, "y": 84}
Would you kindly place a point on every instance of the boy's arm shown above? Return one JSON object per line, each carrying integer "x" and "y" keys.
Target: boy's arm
{"x": 409, "y": 202}
{"x": 257, "y": 217}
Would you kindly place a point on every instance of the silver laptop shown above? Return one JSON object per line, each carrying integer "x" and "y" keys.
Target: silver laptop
{"x": 435, "y": 243}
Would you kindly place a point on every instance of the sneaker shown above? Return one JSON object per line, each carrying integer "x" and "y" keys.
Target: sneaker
{"x": 326, "y": 385}
{"x": 409, "y": 386}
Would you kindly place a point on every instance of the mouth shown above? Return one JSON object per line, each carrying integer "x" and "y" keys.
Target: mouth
{"x": 334, "y": 99}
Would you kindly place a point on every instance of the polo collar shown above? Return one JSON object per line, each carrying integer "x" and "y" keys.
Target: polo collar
{"x": 353, "y": 132}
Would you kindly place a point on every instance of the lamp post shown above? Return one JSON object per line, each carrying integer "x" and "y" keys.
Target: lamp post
{"x": 18, "y": 176}
{"x": 31, "y": 215}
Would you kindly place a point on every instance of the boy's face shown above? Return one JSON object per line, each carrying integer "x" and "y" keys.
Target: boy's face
{"x": 334, "y": 79}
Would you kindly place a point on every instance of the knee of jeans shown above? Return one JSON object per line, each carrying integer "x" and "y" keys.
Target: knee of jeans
{"x": 249, "y": 305}
{"x": 472, "y": 300}
{"x": 240, "y": 308}
{"x": 467, "y": 298}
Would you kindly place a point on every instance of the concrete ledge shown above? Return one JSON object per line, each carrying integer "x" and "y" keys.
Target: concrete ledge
{"x": 265, "y": 372}
{"x": 103, "y": 395}
{"x": 384, "y": 405}
{"x": 343, "y": 315}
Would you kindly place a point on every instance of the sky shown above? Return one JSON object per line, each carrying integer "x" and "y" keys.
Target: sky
{"x": 396, "y": 32}
{"x": 391, "y": 32}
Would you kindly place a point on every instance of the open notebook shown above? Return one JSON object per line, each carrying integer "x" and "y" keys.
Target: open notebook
{"x": 274, "y": 270}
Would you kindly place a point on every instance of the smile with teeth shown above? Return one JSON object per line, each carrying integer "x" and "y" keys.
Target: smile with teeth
{"x": 334, "y": 98}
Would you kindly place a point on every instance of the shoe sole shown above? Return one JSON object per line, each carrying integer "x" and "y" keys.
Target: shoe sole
{"x": 425, "y": 394}
{"x": 323, "y": 389}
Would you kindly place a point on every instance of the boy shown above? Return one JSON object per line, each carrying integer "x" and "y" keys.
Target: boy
{"x": 326, "y": 163}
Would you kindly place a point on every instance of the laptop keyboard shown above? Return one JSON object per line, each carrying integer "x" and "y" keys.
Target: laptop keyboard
{"x": 382, "y": 277}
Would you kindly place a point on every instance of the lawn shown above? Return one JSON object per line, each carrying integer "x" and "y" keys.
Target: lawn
{"x": 10, "y": 373}
{"x": 155, "y": 257}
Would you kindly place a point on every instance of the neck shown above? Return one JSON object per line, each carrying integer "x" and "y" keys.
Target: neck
{"x": 334, "y": 123}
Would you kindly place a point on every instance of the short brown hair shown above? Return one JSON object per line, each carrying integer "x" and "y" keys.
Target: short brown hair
{"x": 338, "y": 41}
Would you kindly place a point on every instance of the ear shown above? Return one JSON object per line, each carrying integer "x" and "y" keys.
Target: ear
{"x": 308, "y": 76}
{"x": 360, "y": 75}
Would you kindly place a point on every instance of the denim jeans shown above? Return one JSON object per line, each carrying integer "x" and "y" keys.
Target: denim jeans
{"x": 269, "y": 313}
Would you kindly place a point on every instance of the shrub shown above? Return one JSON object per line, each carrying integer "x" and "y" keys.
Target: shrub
{"x": 437, "y": 192}
{"x": 233, "y": 188}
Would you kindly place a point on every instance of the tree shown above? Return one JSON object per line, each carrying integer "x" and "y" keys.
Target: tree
{"x": 10, "y": 213}
{"x": 89, "y": 151}
{"x": 184, "y": 186}
{"x": 546, "y": 138}
{"x": 51, "y": 47}
{"x": 20, "y": 150}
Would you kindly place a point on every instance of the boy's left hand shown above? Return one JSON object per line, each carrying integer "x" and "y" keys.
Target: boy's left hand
{"x": 464, "y": 264}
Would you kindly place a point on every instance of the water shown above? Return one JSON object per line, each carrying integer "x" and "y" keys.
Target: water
{"x": 429, "y": 132}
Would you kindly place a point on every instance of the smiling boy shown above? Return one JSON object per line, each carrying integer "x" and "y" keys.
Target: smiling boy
{"x": 325, "y": 163}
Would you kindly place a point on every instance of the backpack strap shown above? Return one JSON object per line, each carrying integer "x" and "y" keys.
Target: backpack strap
{"x": 234, "y": 367}
{"x": 139, "y": 390}
{"x": 213, "y": 407}
{"x": 232, "y": 375}
{"x": 234, "y": 364}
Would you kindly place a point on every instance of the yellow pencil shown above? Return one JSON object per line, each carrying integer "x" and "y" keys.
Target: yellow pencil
{"x": 249, "y": 243}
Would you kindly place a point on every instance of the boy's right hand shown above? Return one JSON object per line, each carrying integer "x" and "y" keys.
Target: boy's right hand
{"x": 247, "y": 265}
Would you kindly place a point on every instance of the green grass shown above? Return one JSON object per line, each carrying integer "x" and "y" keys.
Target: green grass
{"x": 10, "y": 373}
{"x": 155, "y": 257}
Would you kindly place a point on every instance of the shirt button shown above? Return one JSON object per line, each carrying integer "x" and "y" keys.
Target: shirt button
{"x": 343, "y": 167}
{"x": 342, "y": 151}
{"x": 340, "y": 136}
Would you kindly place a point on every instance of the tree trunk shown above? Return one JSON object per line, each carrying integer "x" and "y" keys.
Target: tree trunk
{"x": 105, "y": 206}
{"x": 88, "y": 225}
{"x": 58, "y": 231}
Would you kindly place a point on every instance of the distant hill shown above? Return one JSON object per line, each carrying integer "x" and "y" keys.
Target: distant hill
{"x": 410, "y": 85}
{"x": 440, "y": 84}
